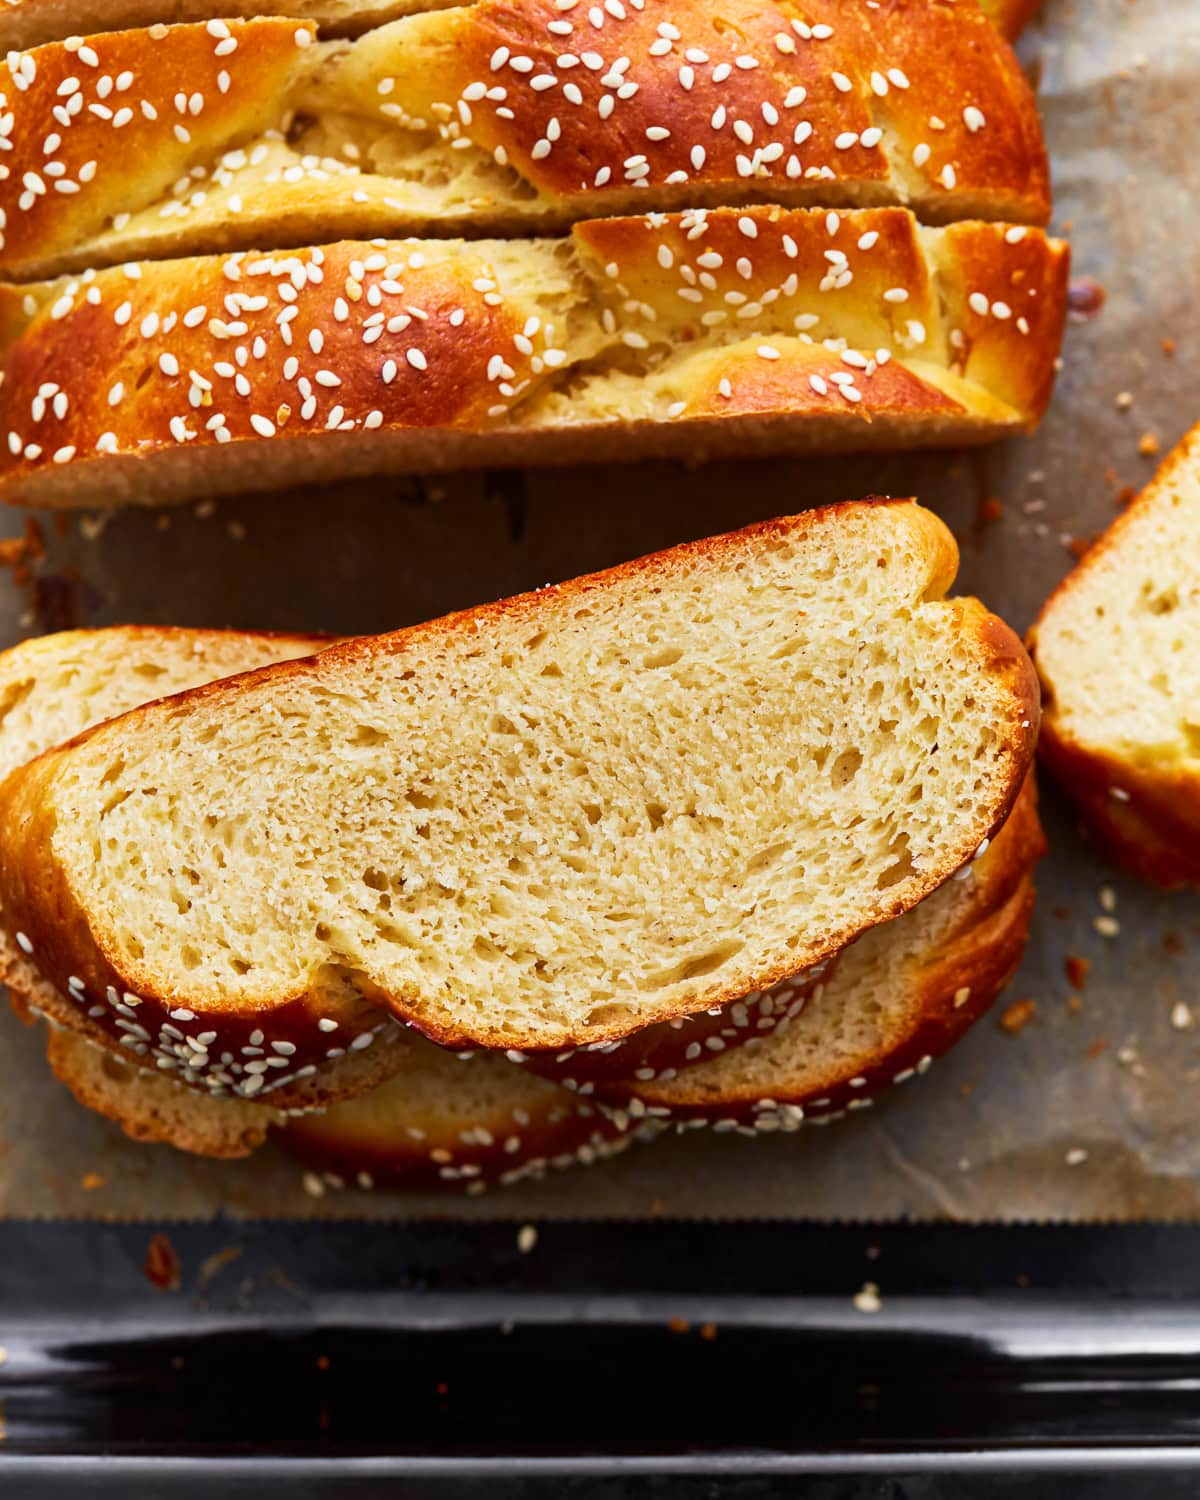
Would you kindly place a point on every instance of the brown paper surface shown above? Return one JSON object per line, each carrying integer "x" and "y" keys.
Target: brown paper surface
{"x": 1091, "y": 1110}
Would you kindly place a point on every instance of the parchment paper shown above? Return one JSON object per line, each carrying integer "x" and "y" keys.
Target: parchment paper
{"x": 1093, "y": 1109}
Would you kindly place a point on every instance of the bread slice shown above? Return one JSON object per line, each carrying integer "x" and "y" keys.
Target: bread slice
{"x": 51, "y": 688}
{"x": 761, "y": 331}
{"x": 482, "y": 119}
{"x": 540, "y": 824}
{"x": 30, "y": 23}
{"x": 902, "y": 995}
{"x": 441, "y": 1120}
{"x": 1115, "y": 649}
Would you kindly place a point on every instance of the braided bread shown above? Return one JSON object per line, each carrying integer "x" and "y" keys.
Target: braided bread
{"x": 692, "y": 334}
{"x": 481, "y": 119}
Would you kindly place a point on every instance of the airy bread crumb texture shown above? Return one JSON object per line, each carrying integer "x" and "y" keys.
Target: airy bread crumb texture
{"x": 560, "y": 819}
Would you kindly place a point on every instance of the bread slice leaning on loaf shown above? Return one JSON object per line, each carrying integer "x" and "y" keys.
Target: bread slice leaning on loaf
{"x": 544, "y": 823}
{"x": 483, "y": 119}
{"x": 1116, "y": 649}
{"x": 30, "y": 23}
{"x": 748, "y": 332}
{"x": 442, "y": 1120}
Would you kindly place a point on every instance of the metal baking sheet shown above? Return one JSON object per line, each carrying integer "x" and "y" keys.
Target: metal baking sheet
{"x": 1086, "y": 1112}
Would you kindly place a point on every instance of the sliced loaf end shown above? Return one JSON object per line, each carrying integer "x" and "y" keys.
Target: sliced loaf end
{"x": 1114, "y": 650}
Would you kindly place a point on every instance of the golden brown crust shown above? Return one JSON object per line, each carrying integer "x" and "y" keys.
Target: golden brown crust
{"x": 1146, "y": 820}
{"x": 104, "y": 127}
{"x": 832, "y": 107}
{"x": 941, "y": 995}
{"x": 47, "y": 919}
{"x": 151, "y": 1108}
{"x": 174, "y": 382}
{"x": 344, "y": 1075}
{"x": 931, "y": 60}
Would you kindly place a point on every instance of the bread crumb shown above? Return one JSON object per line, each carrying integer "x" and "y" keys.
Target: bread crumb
{"x": 527, "y": 1237}
{"x": 1124, "y": 400}
{"x": 1107, "y": 898}
{"x": 313, "y": 1185}
{"x": 678, "y": 1325}
{"x": 990, "y": 510}
{"x": 1077, "y": 546}
{"x": 1018, "y": 1015}
{"x": 162, "y": 1265}
{"x": 212, "y": 1265}
{"x": 1169, "y": 347}
{"x": 90, "y": 1181}
{"x": 708, "y": 1331}
{"x": 3, "y": 1355}
{"x": 1148, "y": 445}
{"x": 868, "y": 1300}
{"x": 1076, "y": 969}
{"x": 1181, "y": 1017}
{"x": 1107, "y": 927}
{"x": 1076, "y": 1156}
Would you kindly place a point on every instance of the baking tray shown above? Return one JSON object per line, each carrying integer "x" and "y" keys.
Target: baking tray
{"x": 310, "y": 1362}
{"x": 327, "y": 1360}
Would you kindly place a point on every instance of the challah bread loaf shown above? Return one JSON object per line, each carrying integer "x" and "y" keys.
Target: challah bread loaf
{"x": 761, "y": 331}
{"x": 485, "y": 119}
{"x": 55, "y": 686}
{"x": 544, "y": 823}
{"x": 30, "y": 23}
{"x": 470, "y": 1122}
{"x": 1115, "y": 647}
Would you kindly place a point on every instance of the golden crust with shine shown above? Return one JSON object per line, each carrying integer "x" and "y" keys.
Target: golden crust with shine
{"x": 509, "y": 116}
{"x": 757, "y": 331}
